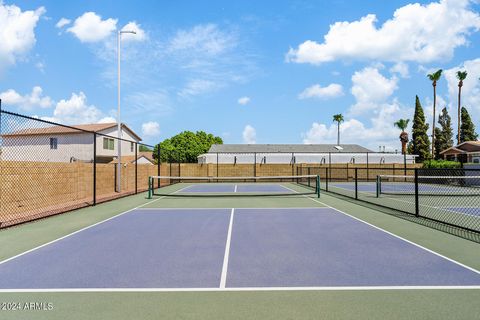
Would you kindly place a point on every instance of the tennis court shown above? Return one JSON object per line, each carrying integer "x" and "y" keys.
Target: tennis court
{"x": 166, "y": 248}
{"x": 246, "y": 239}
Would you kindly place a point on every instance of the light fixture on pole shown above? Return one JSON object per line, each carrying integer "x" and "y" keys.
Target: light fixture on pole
{"x": 119, "y": 124}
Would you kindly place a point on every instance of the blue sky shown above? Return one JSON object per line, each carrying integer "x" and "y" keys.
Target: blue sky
{"x": 248, "y": 71}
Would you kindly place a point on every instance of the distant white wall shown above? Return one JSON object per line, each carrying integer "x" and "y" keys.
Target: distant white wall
{"x": 282, "y": 158}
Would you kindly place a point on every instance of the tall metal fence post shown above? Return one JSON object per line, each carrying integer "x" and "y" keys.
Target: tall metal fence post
{"x": 254, "y": 164}
{"x": 417, "y": 204}
{"x": 293, "y": 165}
{"x": 308, "y": 171}
{"x": 330, "y": 163}
{"x": 405, "y": 163}
{"x": 136, "y": 168}
{"x": 356, "y": 183}
{"x": 179, "y": 166}
{"x": 368, "y": 171}
{"x": 158, "y": 166}
{"x": 94, "y": 168}
{"x": 327, "y": 172}
{"x": 217, "y": 164}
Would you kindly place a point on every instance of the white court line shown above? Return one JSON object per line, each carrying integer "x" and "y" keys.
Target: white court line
{"x": 223, "y": 278}
{"x": 238, "y": 208}
{"x": 235, "y": 189}
{"x": 396, "y": 236}
{"x": 353, "y": 288}
{"x": 83, "y": 229}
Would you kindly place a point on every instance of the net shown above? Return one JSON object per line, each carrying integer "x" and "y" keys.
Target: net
{"x": 428, "y": 185}
{"x": 234, "y": 186}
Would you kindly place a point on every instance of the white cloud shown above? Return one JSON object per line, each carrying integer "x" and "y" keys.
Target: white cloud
{"x": 249, "y": 134}
{"x": 369, "y": 121}
{"x": 470, "y": 89}
{"x": 151, "y": 129}
{"x": 17, "y": 35}
{"x": 370, "y": 88}
{"x": 107, "y": 120}
{"x": 139, "y": 32}
{"x": 421, "y": 33}
{"x": 62, "y": 23}
{"x": 76, "y": 110}
{"x": 333, "y": 90}
{"x": 380, "y": 132}
{"x": 28, "y": 101}
{"x": 40, "y": 66}
{"x": 154, "y": 103}
{"x": 90, "y": 27}
{"x": 244, "y": 100}
{"x": 208, "y": 39}
{"x": 401, "y": 68}
{"x": 198, "y": 86}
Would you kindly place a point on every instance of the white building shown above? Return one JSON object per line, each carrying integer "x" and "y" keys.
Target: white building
{"x": 299, "y": 153}
{"x": 55, "y": 143}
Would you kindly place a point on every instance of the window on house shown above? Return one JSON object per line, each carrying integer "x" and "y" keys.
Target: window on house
{"x": 108, "y": 144}
{"x": 53, "y": 143}
{"x": 131, "y": 146}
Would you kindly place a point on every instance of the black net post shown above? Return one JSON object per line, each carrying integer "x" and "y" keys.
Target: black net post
{"x": 405, "y": 163}
{"x": 417, "y": 204}
{"x": 94, "y": 168}
{"x": 136, "y": 168}
{"x": 356, "y": 183}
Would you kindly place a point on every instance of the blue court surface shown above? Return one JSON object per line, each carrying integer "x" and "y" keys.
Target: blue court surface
{"x": 474, "y": 211}
{"x": 235, "y": 188}
{"x": 232, "y": 248}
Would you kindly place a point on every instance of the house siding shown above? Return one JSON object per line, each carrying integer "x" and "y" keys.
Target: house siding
{"x": 70, "y": 147}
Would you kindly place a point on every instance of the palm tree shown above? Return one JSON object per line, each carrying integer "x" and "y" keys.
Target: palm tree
{"x": 338, "y": 118}
{"x": 402, "y": 124}
{"x": 461, "y": 75}
{"x": 434, "y": 77}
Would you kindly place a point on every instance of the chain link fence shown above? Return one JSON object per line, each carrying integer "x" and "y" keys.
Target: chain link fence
{"x": 48, "y": 168}
{"x": 447, "y": 196}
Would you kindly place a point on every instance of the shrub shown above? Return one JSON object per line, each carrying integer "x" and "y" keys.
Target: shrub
{"x": 441, "y": 164}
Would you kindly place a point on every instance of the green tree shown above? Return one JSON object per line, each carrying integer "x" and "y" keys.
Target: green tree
{"x": 402, "y": 124}
{"x": 338, "y": 118}
{"x": 467, "y": 129}
{"x": 185, "y": 146}
{"x": 420, "y": 143}
{"x": 461, "y": 75}
{"x": 143, "y": 148}
{"x": 434, "y": 77}
{"x": 444, "y": 134}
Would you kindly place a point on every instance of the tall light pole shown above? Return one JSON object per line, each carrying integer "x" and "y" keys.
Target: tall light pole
{"x": 119, "y": 124}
